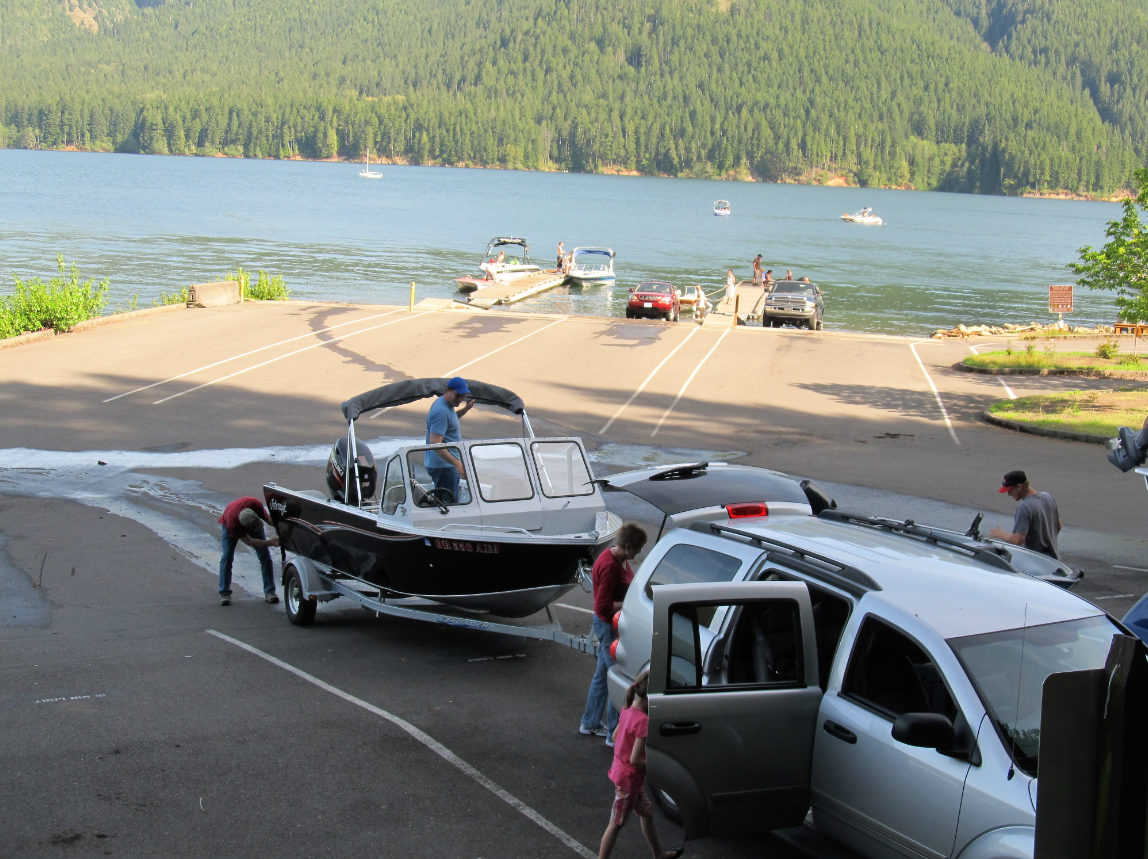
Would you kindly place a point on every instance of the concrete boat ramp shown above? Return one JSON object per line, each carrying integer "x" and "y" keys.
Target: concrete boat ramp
{"x": 517, "y": 289}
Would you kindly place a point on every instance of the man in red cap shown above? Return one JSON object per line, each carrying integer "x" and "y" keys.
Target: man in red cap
{"x": 242, "y": 522}
{"x": 1036, "y": 524}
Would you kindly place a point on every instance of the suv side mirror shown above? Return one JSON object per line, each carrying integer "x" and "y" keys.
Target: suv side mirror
{"x": 924, "y": 730}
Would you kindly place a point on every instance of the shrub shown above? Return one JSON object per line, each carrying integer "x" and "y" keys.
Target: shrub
{"x": 58, "y": 304}
{"x": 1108, "y": 350}
{"x": 181, "y": 297}
{"x": 267, "y": 288}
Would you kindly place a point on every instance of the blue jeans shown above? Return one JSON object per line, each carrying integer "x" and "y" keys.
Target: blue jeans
{"x": 229, "y": 544}
{"x": 599, "y": 696}
{"x": 446, "y": 478}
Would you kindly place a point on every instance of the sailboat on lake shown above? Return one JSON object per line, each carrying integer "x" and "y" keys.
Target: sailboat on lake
{"x": 367, "y": 172}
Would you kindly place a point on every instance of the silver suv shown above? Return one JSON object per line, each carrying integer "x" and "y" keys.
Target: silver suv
{"x": 886, "y": 676}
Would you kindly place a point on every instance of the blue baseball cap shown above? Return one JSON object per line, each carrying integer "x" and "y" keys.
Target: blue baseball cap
{"x": 458, "y": 385}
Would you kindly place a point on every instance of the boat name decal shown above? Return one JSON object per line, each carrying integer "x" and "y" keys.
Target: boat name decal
{"x": 278, "y": 505}
{"x": 465, "y": 546}
{"x": 462, "y": 621}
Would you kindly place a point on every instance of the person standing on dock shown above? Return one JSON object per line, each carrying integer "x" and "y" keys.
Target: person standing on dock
{"x": 444, "y": 467}
{"x": 789, "y": 274}
{"x": 561, "y": 254}
{"x": 767, "y": 281}
{"x": 757, "y": 270}
{"x": 730, "y": 286}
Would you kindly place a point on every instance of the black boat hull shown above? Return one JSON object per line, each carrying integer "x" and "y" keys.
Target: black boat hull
{"x": 510, "y": 578}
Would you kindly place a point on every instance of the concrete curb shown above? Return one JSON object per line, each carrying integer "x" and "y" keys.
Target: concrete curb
{"x": 30, "y": 337}
{"x": 1063, "y": 435}
{"x": 1136, "y": 375}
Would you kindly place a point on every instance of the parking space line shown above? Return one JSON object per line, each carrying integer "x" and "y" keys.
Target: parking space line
{"x": 666, "y": 413}
{"x": 936, "y": 393}
{"x": 245, "y": 354}
{"x": 574, "y": 608}
{"x": 449, "y": 373}
{"x": 1000, "y": 379}
{"x": 428, "y": 741}
{"x": 288, "y": 355}
{"x": 1134, "y": 569}
{"x": 649, "y": 379}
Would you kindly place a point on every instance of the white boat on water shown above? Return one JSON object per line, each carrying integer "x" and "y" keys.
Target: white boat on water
{"x": 498, "y": 265}
{"x": 367, "y": 172}
{"x": 721, "y": 208}
{"x": 592, "y": 266}
{"x": 865, "y": 216}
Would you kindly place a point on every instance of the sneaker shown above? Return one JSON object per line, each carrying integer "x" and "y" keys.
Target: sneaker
{"x": 225, "y": 599}
{"x": 271, "y": 597}
{"x": 600, "y": 731}
{"x": 610, "y": 740}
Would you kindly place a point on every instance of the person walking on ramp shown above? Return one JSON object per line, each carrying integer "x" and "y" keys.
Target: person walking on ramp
{"x": 629, "y": 774}
{"x": 243, "y": 522}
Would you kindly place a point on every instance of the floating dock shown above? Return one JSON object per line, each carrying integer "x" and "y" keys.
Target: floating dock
{"x": 510, "y": 291}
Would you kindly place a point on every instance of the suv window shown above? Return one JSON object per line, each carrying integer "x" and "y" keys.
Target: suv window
{"x": 762, "y": 647}
{"x": 394, "y": 492}
{"x": 685, "y": 564}
{"x": 830, "y": 614}
{"x": 889, "y": 673}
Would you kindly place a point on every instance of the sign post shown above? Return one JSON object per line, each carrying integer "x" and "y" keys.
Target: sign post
{"x": 1060, "y": 300}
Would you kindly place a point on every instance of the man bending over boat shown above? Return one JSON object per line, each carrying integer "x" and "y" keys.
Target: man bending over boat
{"x": 444, "y": 467}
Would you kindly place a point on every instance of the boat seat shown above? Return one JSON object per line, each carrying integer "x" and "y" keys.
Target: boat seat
{"x": 394, "y": 497}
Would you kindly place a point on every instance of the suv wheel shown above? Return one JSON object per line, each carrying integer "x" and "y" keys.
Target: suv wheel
{"x": 665, "y": 803}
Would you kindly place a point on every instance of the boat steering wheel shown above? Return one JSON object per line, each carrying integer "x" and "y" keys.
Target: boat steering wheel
{"x": 440, "y": 497}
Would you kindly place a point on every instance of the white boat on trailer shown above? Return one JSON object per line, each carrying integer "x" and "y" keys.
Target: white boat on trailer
{"x": 592, "y": 266}
{"x": 864, "y": 216}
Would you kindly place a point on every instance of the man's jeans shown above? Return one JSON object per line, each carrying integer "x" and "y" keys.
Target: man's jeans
{"x": 446, "y": 478}
{"x": 599, "y": 697}
{"x": 229, "y": 544}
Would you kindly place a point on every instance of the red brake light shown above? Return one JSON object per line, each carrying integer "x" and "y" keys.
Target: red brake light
{"x": 747, "y": 511}
{"x": 614, "y": 650}
{"x": 614, "y": 622}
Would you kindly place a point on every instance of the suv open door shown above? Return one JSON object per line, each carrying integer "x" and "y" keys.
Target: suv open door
{"x": 732, "y": 727}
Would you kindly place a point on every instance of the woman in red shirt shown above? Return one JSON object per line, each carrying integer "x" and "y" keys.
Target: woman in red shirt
{"x": 612, "y": 576}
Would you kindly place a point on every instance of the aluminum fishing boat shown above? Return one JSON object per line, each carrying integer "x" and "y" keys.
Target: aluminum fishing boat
{"x": 592, "y": 266}
{"x": 511, "y": 531}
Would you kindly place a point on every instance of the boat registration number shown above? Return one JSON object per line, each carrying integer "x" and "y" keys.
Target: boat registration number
{"x": 647, "y": 304}
{"x": 467, "y": 546}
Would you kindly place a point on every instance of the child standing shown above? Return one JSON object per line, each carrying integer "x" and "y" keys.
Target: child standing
{"x": 629, "y": 774}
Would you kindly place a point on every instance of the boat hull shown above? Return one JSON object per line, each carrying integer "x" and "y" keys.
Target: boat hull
{"x": 476, "y": 571}
{"x": 591, "y": 279}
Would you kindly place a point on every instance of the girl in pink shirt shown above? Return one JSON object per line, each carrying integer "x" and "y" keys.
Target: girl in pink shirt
{"x": 629, "y": 774}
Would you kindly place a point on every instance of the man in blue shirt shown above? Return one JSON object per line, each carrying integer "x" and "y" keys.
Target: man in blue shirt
{"x": 442, "y": 428}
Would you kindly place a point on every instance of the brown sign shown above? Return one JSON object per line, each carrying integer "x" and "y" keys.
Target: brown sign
{"x": 1060, "y": 299}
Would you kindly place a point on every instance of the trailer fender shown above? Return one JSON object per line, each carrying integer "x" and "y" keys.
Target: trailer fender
{"x": 314, "y": 588}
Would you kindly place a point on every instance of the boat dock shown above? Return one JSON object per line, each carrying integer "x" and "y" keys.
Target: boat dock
{"x": 517, "y": 289}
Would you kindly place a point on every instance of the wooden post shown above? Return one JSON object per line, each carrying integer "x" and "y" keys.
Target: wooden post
{"x": 412, "y": 296}
{"x": 736, "y": 302}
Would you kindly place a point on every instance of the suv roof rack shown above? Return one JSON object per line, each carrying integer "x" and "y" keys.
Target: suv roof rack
{"x": 941, "y": 538}
{"x": 844, "y": 576}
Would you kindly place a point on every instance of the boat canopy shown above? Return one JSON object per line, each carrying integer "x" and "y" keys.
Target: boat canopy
{"x": 500, "y": 241}
{"x": 721, "y": 204}
{"x": 401, "y": 393}
{"x": 606, "y": 252}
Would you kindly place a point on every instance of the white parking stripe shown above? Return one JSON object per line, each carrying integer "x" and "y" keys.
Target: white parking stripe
{"x": 936, "y": 393}
{"x": 1000, "y": 379}
{"x": 428, "y": 741}
{"x": 449, "y": 373}
{"x": 666, "y": 413}
{"x": 574, "y": 607}
{"x": 649, "y": 379}
{"x": 288, "y": 355}
{"x": 245, "y": 354}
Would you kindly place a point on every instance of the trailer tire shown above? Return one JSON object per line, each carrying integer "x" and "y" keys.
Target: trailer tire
{"x": 300, "y": 610}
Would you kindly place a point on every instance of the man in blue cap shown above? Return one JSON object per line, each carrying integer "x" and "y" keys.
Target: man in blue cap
{"x": 444, "y": 467}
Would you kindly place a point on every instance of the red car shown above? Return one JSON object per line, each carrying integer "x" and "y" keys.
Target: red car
{"x": 655, "y": 299}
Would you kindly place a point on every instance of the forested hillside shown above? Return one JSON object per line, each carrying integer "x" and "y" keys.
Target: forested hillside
{"x": 952, "y": 94}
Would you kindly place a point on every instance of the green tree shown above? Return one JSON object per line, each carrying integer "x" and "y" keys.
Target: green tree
{"x": 1122, "y": 264}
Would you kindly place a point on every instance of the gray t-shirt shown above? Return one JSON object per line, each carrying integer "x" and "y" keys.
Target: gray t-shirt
{"x": 1037, "y": 518}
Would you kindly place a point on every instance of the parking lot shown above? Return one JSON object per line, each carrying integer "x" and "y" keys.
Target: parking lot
{"x": 144, "y": 719}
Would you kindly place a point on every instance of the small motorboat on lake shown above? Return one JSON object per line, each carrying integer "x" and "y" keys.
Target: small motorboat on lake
{"x": 592, "y": 267}
{"x": 721, "y": 208}
{"x": 864, "y": 216}
{"x": 367, "y": 172}
{"x": 512, "y": 533}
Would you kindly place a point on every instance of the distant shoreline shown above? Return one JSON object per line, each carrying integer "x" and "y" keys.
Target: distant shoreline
{"x": 823, "y": 178}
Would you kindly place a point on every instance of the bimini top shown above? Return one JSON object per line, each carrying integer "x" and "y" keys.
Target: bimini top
{"x": 401, "y": 393}
{"x": 498, "y": 241}
{"x": 606, "y": 252}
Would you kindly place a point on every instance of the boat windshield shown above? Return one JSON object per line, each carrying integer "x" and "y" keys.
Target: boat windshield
{"x": 435, "y": 478}
{"x": 651, "y": 286}
{"x": 1009, "y": 669}
{"x": 515, "y": 253}
{"x": 793, "y": 286}
{"x": 561, "y": 469}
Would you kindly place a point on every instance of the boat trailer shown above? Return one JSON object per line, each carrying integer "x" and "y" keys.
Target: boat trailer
{"x": 307, "y": 583}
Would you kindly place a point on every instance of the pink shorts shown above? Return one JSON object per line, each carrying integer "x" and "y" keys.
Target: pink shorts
{"x": 626, "y": 802}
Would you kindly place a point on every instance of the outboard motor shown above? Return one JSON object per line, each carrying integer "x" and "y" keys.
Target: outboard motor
{"x": 1128, "y": 449}
{"x": 337, "y": 467}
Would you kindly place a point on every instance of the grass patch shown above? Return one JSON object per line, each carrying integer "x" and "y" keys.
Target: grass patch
{"x": 60, "y": 303}
{"x": 1044, "y": 360}
{"x": 181, "y": 297}
{"x": 1092, "y": 412}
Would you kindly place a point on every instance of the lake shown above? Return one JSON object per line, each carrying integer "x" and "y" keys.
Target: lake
{"x": 153, "y": 223}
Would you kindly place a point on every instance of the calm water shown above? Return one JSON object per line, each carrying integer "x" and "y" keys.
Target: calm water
{"x": 155, "y": 223}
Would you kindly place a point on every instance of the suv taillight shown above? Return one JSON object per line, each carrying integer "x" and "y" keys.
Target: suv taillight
{"x": 614, "y": 650}
{"x": 614, "y": 622}
{"x": 747, "y": 511}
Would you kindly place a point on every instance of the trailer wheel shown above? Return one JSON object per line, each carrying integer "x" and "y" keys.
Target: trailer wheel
{"x": 300, "y": 611}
